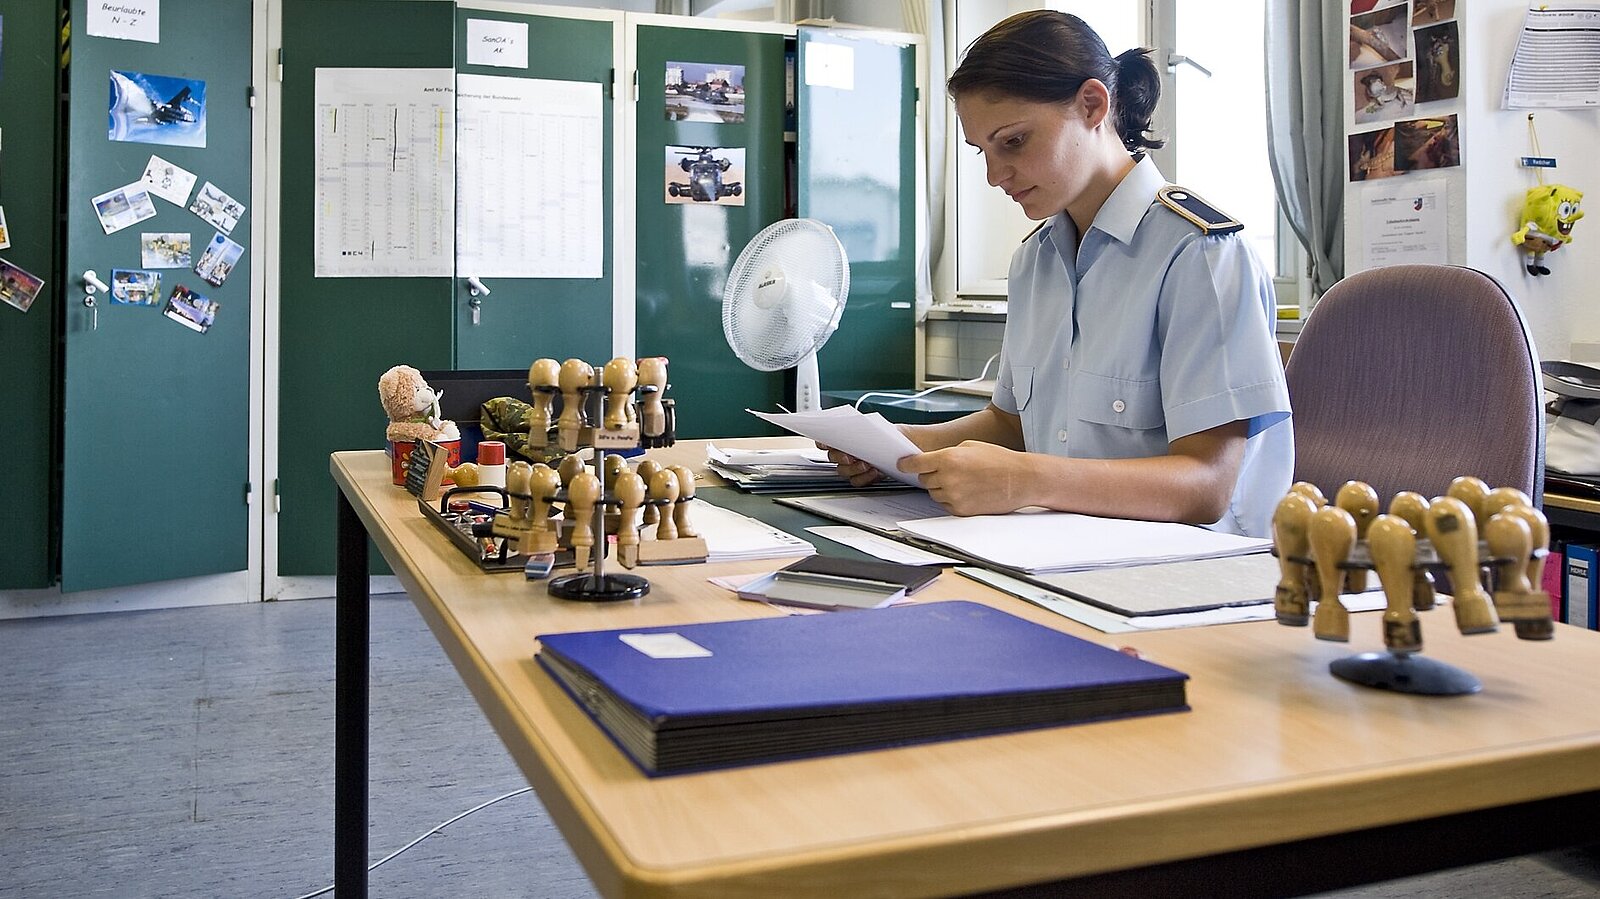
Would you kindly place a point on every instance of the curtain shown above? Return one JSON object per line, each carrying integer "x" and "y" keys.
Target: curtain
{"x": 1306, "y": 72}
{"x": 927, "y": 18}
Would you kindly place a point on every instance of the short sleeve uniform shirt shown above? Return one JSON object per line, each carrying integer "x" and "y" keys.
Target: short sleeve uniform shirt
{"x": 1145, "y": 331}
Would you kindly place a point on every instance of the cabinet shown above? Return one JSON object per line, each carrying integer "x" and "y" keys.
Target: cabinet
{"x": 840, "y": 153}
{"x": 135, "y": 430}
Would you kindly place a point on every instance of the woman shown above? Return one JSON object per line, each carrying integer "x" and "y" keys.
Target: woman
{"x": 1139, "y": 376}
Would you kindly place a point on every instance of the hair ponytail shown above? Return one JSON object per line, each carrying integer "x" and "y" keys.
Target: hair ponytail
{"x": 1137, "y": 90}
{"x": 1046, "y": 56}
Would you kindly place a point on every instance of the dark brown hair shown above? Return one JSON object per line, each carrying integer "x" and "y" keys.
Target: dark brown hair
{"x": 1046, "y": 56}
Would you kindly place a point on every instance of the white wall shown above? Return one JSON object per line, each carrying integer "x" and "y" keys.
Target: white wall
{"x": 1486, "y": 191}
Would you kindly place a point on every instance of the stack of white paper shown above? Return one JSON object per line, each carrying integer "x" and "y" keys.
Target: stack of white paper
{"x": 776, "y": 470}
{"x": 1037, "y": 542}
{"x": 733, "y": 537}
{"x": 870, "y": 438}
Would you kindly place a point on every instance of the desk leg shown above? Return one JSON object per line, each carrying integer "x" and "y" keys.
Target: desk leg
{"x": 351, "y": 646}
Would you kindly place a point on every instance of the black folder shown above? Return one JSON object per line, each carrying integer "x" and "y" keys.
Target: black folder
{"x": 702, "y": 696}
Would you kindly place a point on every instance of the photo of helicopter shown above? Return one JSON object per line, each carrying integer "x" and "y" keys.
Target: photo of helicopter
{"x": 715, "y": 175}
{"x": 704, "y": 92}
{"x": 157, "y": 109}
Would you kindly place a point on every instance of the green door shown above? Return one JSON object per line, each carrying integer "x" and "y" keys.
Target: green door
{"x": 537, "y": 195}
{"x": 339, "y": 334}
{"x": 857, "y": 173}
{"x": 686, "y": 249}
{"x": 28, "y": 91}
{"x": 155, "y": 407}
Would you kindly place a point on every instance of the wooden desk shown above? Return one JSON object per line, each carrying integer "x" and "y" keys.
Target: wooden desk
{"x": 1282, "y": 779}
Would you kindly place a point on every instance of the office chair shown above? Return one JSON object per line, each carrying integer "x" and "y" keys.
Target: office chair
{"x": 1407, "y": 376}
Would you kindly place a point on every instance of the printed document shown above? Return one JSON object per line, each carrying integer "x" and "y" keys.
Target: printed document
{"x": 385, "y": 173}
{"x": 870, "y": 438}
{"x": 1557, "y": 61}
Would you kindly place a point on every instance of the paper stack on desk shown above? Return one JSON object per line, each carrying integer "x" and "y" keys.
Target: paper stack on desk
{"x": 731, "y": 537}
{"x": 781, "y": 470}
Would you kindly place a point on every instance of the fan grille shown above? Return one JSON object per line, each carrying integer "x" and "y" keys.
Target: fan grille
{"x": 785, "y": 294}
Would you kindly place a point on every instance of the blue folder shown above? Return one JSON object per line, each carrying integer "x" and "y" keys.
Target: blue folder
{"x": 776, "y": 688}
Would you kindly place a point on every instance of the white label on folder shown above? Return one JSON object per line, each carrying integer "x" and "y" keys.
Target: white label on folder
{"x": 665, "y": 646}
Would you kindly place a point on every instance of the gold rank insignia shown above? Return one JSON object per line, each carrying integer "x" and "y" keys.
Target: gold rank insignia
{"x": 1201, "y": 214}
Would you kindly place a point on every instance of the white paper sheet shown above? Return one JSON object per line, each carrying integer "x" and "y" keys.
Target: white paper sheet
{"x": 127, "y": 20}
{"x": 878, "y": 546}
{"x": 870, "y": 438}
{"x": 1556, "y": 63}
{"x": 492, "y": 42}
{"x": 531, "y": 201}
{"x": 732, "y": 537}
{"x": 385, "y": 173}
{"x": 1038, "y": 541}
{"x": 1404, "y": 222}
{"x": 1112, "y": 623}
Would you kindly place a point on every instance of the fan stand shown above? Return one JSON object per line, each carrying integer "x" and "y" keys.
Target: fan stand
{"x": 807, "y": 385}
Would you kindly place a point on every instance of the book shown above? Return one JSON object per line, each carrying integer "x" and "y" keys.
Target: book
{"x": 828, "y": 569}
{"x": 1553, "y": 579}
{"x": 824, "y": 595}
{"x": 702, "y": 696}
{"x": 1581, "y": 583}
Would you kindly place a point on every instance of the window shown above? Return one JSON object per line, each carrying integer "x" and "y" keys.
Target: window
{"x": 1213, "y": 115}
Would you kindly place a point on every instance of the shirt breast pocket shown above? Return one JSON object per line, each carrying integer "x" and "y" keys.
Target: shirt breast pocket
{"x": 1117, "y": 402}
{"x": 1022, "y": 385}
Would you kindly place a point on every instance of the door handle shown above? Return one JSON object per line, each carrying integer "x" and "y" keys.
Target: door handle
{"x": 478, "y": 290}
{"x": 91, "y": 285}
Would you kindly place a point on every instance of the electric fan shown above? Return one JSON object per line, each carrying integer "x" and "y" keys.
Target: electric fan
{"x": 783, "y": 300}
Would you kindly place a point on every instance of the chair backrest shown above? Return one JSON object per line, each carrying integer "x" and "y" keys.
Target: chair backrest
{"x": 1407, "y": 376}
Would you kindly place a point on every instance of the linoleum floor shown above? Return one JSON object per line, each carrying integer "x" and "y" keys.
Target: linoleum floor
{"x": 188, "y": 753}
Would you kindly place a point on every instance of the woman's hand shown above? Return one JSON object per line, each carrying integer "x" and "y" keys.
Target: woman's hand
{"x": 859, "y": 473}
{"x": 974, "y": 478}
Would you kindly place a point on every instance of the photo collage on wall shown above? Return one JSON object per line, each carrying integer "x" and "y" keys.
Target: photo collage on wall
{"x": 704, "y": 175}
{"x": 169, "y": 111}
{"x": 1405, "y": 64}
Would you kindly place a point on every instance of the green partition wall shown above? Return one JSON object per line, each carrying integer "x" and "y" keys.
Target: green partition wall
{"x": 685, "y": 251}
{"x": 155, "y": 416}
{"x": 857, "y": 172}
{"x": 338, "y": 335}
{"x": 524, "y": 319}
{"x": 28, "y": 363}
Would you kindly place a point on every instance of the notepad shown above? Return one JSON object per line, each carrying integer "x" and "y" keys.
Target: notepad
{"x": 770, "y": 689}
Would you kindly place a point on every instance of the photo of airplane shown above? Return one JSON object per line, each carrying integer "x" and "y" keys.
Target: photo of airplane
{"x": 157, "y": 109}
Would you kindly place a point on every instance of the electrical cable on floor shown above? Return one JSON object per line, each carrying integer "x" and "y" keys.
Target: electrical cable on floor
{"x": 900, "y": 397}
{"x": 431, "y": 831}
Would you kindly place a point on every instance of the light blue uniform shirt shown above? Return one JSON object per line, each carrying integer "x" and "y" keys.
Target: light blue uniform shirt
{"x": 1149, "y": 331}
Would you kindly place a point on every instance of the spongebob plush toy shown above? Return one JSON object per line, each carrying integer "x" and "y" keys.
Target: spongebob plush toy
{"x": 1548, "y": 213}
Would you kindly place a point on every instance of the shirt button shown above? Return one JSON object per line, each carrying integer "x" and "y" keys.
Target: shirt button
{"x": 1066, "y": 364}
{"x": 1118, "y": 406}
{"x": 1061, "y": 435}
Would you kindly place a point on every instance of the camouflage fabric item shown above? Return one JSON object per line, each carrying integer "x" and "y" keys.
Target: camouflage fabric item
{"x": 505, "y": 419}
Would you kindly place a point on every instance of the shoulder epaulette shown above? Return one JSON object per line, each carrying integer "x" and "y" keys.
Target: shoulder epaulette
{"x": 1208, "y": 218}
{"x": 1034, "y": 231}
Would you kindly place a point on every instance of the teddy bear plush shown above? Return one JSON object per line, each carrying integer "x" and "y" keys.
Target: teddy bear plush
{"x": 412, "y": 407}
